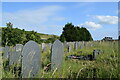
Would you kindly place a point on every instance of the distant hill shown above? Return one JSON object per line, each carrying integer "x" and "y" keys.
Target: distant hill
{"x": 45, "y": 36}
{"x": 12, "y": 36}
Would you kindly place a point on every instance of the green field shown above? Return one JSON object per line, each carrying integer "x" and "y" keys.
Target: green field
{"x": 105, "y": 66}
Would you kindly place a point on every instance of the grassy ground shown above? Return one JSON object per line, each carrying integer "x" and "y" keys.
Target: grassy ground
{"x": 105, "y": 66}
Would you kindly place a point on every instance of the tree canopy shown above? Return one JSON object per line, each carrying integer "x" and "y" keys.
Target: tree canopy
{"x": 12, "y": 36}
{"x": 75, "y": 33}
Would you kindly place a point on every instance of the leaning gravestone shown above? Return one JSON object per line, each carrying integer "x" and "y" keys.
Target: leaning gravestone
{"x": 57, "y": 54}
{"x": 30, "y": 60}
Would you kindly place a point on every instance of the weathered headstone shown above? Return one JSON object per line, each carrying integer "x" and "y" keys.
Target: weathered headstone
{"x": 1, "y": 49}
{"x": 43, "y": 45}
{"x": 12, "y": 56}
{"x": 75, "y": 45}
{"x": 6, "y": 52}
{"x": 19, "y": 47}
{"x": 82, "y": 45}
{"x": 57, "y": 55}
{"x": 95, "y": 53}
{"x": 50, "y": 45}
{"x": 18, "y": 53}
{"x": 30, "y": 60}
{"x": 69, "y": 48}
{"x": 65, "y": 44}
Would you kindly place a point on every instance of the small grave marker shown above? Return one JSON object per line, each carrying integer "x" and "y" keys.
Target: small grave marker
{"x": 95, "y": 53}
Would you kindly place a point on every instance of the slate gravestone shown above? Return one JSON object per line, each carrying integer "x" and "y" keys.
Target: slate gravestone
{"x": 19, "y": 47}
{"x": 69, "y": 48}
{"x": 12, "y": 56}
{"x": 1, "y": 49}
{"x": 43, "y": 47}
{"x": 18, "y": 53}
{"x": 65, "y": 44}
{"x": 6, "y": 52}
{"x": 95, "y": 53}
{"x": 81, "y": 45}
{"x": 56, "y": 55}
{"x": 50, "y": 45}
{"x": 30, "y": 60}
{"x": 75, "y": 46}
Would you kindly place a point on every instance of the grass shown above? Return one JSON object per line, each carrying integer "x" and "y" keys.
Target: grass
{"x": 105, "y": 66}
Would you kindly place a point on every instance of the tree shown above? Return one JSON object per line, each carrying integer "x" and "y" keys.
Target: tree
{"x": 75, "y": 33}
{"x": 62, "y": 38}
{"x": 12, "y": 36}
{"x": 9, "y": 25}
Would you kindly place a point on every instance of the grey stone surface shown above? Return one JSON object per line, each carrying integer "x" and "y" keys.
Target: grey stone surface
{"x": 76, "y": 45}
{"x": 81, "y": 45}
{"x": 6, "y": 52}
{"x": 44, "y": 47}
{"x": 65, "y": 44}
{"x": 95, "y": 53}
{"x": 18, "y": 54}
{"x": 57, "y": 55}
{"x": 2, "y": 49}
{"x": 69, "y": 48}
{"x": 30, "y": 60}
{"x": 19, "y": 47}
{"x": 50, "y": 45}
{"x": 12, "y": 56}
{"x": 15, "y": 54}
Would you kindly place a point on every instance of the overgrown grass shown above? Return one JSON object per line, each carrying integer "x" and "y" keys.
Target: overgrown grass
{"x": 105, "y": 66}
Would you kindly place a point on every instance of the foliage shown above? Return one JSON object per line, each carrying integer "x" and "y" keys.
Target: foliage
{"x": 75, "y": 33}
{"x": 52, "y": 39}
{"x": 12, "y": 36}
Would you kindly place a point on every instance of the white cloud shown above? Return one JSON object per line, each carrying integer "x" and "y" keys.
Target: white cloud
{"x": 91, "y": 25}
{"x": 107, "y": 19}
{"x": 37, "y": 19}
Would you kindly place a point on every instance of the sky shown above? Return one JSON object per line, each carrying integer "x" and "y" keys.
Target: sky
{"x": 59, "y": 0}
{"x": 100, "y": 18}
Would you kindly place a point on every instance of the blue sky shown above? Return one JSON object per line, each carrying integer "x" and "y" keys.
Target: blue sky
{"x": 100, "y": 18}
